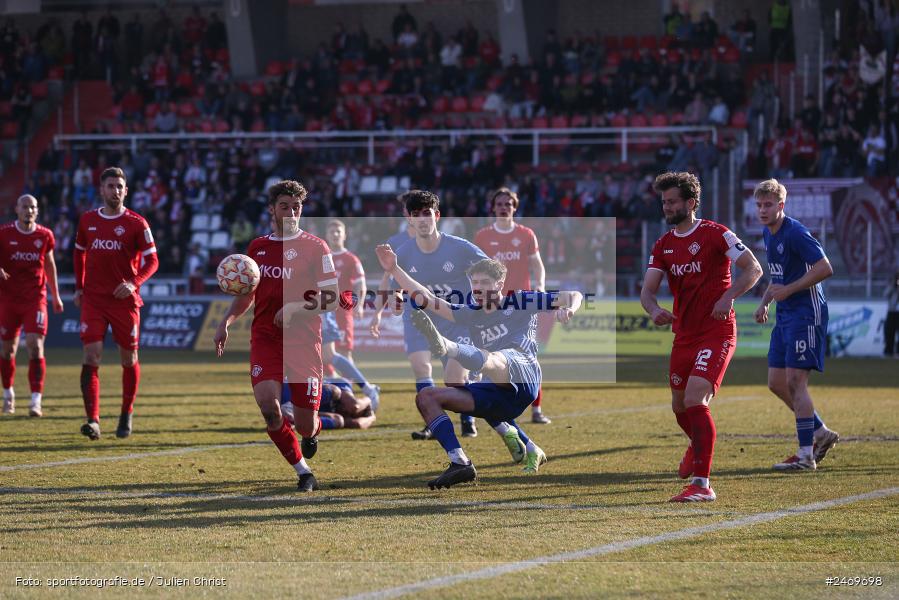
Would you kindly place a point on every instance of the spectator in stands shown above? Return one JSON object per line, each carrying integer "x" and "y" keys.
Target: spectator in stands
{"x": 672, "y": 21}
{"x": 778, "y": 151}
{"x": 805, "y": 153}
{"x": 742, "y": 32}
{"x": 403, "y": 20}
{"x": 82, "y": 43}
{"x": 761, "y": 103}
{"x": 407, "y": 40}
{"x": 134, "y": 41}
{"x": 34, "y": 63}
{"x": 489, "y": 51}
{"x": 705, "y": 32}
{"x": 242, "y": 231}
{"x": 195, "y": 267}
{"x": 696, "y": 112}
{"x": 719, "y": 114}
{"x": 216, "y": 35}
{"x": 874, "y": 150}
{"x": 132, "y": 104}
{"x": 450, "y": 57}
{"x": 52, "y": 41}
{"x": 22, "y": 107}
{"x": 780, "y": 20}
{"x": 166, "y": 121}
{"x": 827, "y": 163}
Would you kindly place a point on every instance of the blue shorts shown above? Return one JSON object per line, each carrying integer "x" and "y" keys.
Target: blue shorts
{"x": 330, "y": 330}
{"x": 495, "y": 403}
{"x": 798, "y": 345}
{"x": 414, "y": 341}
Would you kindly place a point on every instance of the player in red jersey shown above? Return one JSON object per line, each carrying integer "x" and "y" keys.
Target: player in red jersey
{"x": 286, "y": 336}
{"x": 26, "y": 267}
{"x": 350, "y": 276}
{"x": 516, "y": 247}
{"x": 696, "y": 257}
{"x": 114, "y": 255}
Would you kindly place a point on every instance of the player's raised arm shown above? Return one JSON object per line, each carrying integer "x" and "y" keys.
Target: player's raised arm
{"x": 239, "y": 306}
{"x": 431, "y": 303}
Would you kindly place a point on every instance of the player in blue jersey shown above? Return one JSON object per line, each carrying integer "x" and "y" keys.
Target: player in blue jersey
{"x": 504, "y": 349}
{"x": 439, "y": 262}
{"x": 797, "y": 265}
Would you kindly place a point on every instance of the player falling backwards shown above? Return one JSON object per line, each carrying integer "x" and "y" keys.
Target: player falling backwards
{"x": 439, "y": 262}
{"x": 695, "y": 256}
{"x": 285, "y": 337}
{"x": 114, "y": 255}
{"x": 516, "y": 247}
{"x": 505, "y": 329}
{"x": 798, "y": 265}
{"x": 27, "y": 266}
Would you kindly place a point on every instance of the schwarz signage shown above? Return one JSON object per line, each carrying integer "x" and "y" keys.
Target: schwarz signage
{"x": 164, "y": 324}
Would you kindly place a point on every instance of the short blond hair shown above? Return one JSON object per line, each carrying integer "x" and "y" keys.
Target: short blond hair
{"x": 770, "y": 187}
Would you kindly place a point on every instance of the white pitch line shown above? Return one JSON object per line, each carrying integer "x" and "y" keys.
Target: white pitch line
{"x": 615, "y": 547}
{"x": 380, "y": 432}
{"x": 307, "y": 499}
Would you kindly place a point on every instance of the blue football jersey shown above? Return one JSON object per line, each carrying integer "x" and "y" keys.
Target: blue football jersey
{"x": 791, "y": 253}
{"x": 443, "y": 270}
{"x": 512, "y": 326}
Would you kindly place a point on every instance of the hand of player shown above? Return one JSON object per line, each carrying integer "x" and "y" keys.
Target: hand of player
{"x": 563, "y": 315}
{"x": 761, "y": 314}
{"x": 375, "y": 325}
{"x": 662, "y": 317}
{"x": 124, "y": 289}
{"x": 779, "y": 292}
{"x": 76, "y": 299}
{"x": 4, "y": 275}
{"x": 387, "y": 257}
{"x": 722, "y": 309}
{"x": 359, "y": 310}
{"x": 57, "y": 305}
{"x": 284, "y": 317}
{"x": 221, "y": 338}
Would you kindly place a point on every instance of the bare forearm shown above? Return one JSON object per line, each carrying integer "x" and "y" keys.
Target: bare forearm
{"x": 52, "y": 280}
{"x": 820, "y": 271}
{"x": 648, "y": 301}
{"x": 239, "y": 306}
{"x": 742, "y": 284}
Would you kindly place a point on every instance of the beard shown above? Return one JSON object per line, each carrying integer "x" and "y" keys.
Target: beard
{"x": 677, "y": 217}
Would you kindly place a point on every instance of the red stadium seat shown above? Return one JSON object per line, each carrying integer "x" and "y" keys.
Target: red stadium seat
{"x": 580, "y": 121}
{"x": 540, "y": 123}
{"x": 441, "y": 104}
{"x": 478, "y": 123}
{"x": 10, "y": 129}
{"x": 659, "y": 120}
{"x": 189, "y": 126}
{"x": 497, "y": 123}
{"x": 40, "y": 90}
{"x": 56, "y": 73}
{"x": 650, "y": 42}
{"x": 619, "y": 120}
{"x": 274, "y": 69}
{"x": 460, "y": 104}
{"x": 382, "y": 86}
{"x": 610, "y": 42}
{"x": 347, "y": 87}
{"x": 495, "y": 82}
{"x": 477, "y": 103}
{"x": 221, "y": 126}
{"x": 739, "y": 120}
{"x": 587, "y": 78}
{"x": 206, "y": 126}
{"x": 731, "y": 56}
{"x": 258, "y": 126}
{"x": 313, "y": 125}
{"x": 5, "y": 109}
{"x": 638, "y": 120}
{"x": 677, "y": 118}
{"x": 187, "y": 110}
{"x": 116, "y": 128}
{"x": 365, "y": 87}
{"x": 426, "y": 123}
{"x": 257, "y": 89}
{"x": 628, "y": 42}
{"x": 559, "y": 122}
{"x": 457, "y": 122}
{"x": 151, "y": 110}
{"x": 613, "y": 59}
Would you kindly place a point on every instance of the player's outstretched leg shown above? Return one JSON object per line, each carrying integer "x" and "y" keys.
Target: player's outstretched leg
{"x": 511, "y": 439}
{"x": 430, "y": 402}
{"x": 424, "y": 324}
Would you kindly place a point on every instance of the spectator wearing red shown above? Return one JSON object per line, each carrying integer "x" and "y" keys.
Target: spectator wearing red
{"x": 805, "y": 154}
{"x": 194, "y": 26}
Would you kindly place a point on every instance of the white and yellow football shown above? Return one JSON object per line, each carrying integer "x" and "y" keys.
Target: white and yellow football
{"x": 238, "y": 275}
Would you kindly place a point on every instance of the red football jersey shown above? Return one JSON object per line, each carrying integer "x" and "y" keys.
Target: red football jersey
{"x": 22, "y": 256}
{"x": 512, "y": 248}
{"x": 697, "y": 264}
{"x": 291, "y": 269}
{"x": 349, "y": 269}
{"x": 114, "y": 248}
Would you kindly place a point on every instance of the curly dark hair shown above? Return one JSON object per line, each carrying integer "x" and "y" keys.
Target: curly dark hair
{"x": 287, "y": 187}
{"x": 420, "y": 200}
{"x": 687, "y": 183}
{"x": 492, "y": 268}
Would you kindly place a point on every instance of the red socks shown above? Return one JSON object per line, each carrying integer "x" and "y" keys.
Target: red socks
{"x": 683, "y": 419}
{"x": 703, "y": 439}
{"x": 539, "y": 400}
{"x": 130, "y": 380}
{"x": 7, "y": 372}
{"x": 37, "y": 368}
{"x": 90, "y": 391}
{"x": 286, "y": 441}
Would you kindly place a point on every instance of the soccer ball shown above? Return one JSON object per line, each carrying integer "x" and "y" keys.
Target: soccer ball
{"x": 238, "y": 275}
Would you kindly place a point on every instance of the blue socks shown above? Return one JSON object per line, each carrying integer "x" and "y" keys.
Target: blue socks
{"x": 442, "y": 429}
{"x": 327, "y": 422}
{"x": 348, "y": 370}
{"x": 805, "y": 430}
{"x": 423, "y": 383}
{"x": 521, "y": 434}
{"x": 818, "y": 422}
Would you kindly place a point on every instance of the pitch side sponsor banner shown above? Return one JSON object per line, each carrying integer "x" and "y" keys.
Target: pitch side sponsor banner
{"x": 856, "y": 328}
{"x": 238, "y": 332}
{"x": 164, "y": 324}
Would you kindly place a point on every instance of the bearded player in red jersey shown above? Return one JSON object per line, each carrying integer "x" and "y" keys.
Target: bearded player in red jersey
{"x": 516, "y": 247}
{"x": 696, "y": 257}
{"x": 286, "y": 335}
{"x": 114, "y": 255}
{"x": 26, "y": 267}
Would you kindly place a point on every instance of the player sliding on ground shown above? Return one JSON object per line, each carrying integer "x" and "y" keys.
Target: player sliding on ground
{"x": 505, "y": 329}
{"x": 696, "y": 257}
{"x": 340, "y": 408}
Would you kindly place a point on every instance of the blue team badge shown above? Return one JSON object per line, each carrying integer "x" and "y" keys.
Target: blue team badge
{"x": 448, "y": 266}
{"x": 780, "y": 248}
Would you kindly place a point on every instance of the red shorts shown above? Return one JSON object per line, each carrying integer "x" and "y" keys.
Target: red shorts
{"x": 345, "y": 322}
{"x": 305, "y": 380}
{"x": 705, "y": 356}
{"x": 125, "y": 322}
{"x": 31, "y": 317}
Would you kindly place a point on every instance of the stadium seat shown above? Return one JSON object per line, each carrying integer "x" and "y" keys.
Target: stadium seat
{"x": 215, "y": 222}
{"x": 201, "y": 238}
{"x": 739, "y": 120}
{"x": 220, "y": 240}
{"x": 5, "y": 109}
{"x": 347, "y": 87}
{"x": 540, "y": 123}
{"x": 495, "y": 82}
{"x": 257, "y": 89}
{"x": 460, "y": 104}
{"x": 619, "y": 120}
{"x": 559, "y": 122}
{"x": 731, "y": 56}
{"x": 199, "y": 222}
{"x": 477, "y": 102}
{"x": 638, "y": 120}
{"x": 382, "y": 86}
{"x": 628, "y": 42}
{"x": 365, "y": 87}
{"x": 274, "y": 69}
{"x": 9, "y": 129}
{"x": 405, "y": 183}
{"x": 151, "y": 110}
{"x": 388, "y": 185}
{"x": 659, "y": 120}
{"x": 441, "y": 104}
{"x": 56, "y": 73}
{"x": 368, "y": 185}
{"x": 650, "y": 42}
{"x": 187, "y": 110}
{"x": 40, "y": 90}
{"x": 610, "y": 42}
